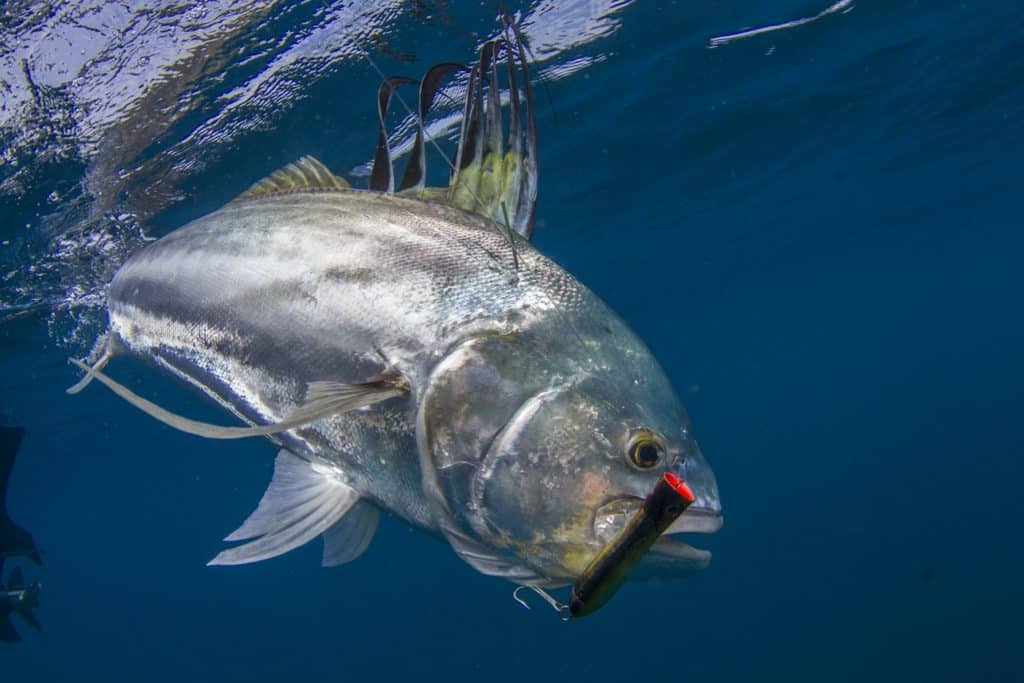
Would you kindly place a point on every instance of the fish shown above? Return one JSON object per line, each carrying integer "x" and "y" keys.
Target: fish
{"x": 16, "y": 597}
{"x": 409, "y": 351}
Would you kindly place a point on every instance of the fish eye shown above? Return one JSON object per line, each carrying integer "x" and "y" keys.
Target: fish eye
{"x": 645, "y": 450}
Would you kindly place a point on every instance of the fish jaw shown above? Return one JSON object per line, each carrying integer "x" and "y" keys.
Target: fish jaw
{"x": 555, "y": 485}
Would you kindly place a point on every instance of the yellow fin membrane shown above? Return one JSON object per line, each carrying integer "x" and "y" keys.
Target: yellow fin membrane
{"x": 305, "y": 174}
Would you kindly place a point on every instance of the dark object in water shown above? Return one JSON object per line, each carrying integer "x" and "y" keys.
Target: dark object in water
{"x": 19, "y": 599}
{"x": 607, "y": 572}
{"x": 14, "y": 541}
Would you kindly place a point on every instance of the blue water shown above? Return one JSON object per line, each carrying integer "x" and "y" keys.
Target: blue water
{"x": 816, "y": 229}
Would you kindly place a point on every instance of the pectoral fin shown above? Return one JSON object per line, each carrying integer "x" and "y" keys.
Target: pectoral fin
{"x": 322, "y": 400}
{"x": 303, "y": 501}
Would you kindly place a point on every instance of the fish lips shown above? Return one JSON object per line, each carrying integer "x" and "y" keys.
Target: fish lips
{"x": 668, "y": 557}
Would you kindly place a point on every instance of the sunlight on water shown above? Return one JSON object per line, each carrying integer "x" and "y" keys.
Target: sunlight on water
{"x": 109, "y": 110}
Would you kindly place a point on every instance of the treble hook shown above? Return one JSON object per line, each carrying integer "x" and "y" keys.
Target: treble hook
{"x": 562, "y": 609}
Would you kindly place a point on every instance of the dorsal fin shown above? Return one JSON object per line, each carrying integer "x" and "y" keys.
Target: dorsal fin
{"x": 493, "y": 174}
{"x": 382, "y": 175}
{"x": 305, "y": 174}
{"x": 494, "y": 179}
{"x": 416, "y": 171}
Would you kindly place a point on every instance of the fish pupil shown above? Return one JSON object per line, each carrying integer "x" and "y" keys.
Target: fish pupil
{"x": 647, "y": 455}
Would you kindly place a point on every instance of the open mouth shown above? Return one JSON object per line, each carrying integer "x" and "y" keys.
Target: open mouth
{"x": 668, "y": 555}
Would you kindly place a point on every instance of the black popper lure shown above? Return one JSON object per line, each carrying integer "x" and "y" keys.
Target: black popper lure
{"x": 610, "y": 568}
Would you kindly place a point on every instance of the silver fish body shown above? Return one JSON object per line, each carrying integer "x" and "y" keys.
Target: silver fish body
{"x": 524, "y": 388}
{"x": 414, "y": 353}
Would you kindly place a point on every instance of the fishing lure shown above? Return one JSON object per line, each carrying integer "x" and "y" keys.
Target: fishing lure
{"x": 609, "y": 569}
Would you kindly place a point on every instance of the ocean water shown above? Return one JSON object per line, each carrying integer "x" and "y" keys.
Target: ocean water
{"x": 815, "y": 227}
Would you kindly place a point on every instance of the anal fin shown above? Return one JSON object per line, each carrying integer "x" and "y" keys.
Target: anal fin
{"x": 303, "y": 501}
{"x": 349, "y": 537}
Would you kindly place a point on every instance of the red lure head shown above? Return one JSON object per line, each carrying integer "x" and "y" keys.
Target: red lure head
{"x": 679, "y": 486}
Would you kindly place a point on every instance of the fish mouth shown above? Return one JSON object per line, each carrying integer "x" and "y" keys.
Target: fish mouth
{"x": 667, "y": 550}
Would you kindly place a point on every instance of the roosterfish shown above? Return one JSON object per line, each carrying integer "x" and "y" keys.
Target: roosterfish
{"x": 409, "y": 351}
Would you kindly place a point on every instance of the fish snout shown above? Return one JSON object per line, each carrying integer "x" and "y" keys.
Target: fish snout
{"x": 705, "y": 514}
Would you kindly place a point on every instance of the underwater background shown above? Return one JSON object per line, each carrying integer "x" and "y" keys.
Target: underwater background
{"x": 815, "y": 227}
